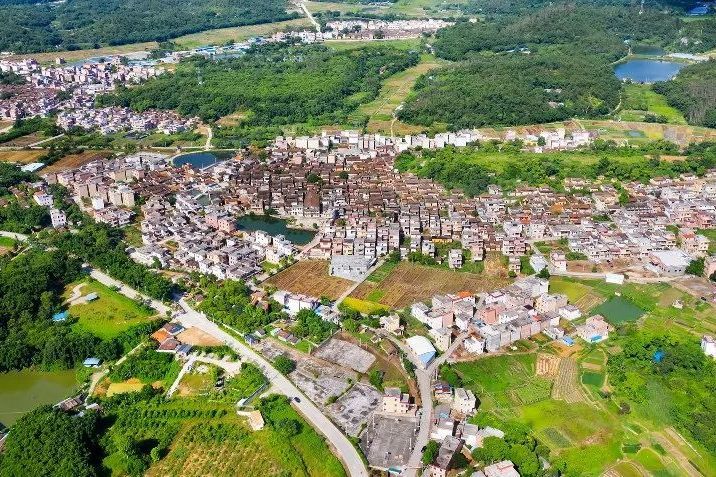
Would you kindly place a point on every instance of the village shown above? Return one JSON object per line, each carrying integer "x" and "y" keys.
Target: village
{"x": 343, "y": 186}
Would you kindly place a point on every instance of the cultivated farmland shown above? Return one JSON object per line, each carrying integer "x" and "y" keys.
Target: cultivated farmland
{"x": 21, "y": 157}
{"x": 75, "y": 160}
{"x": 310, "y": 277}
{"x": 407, "y": 283}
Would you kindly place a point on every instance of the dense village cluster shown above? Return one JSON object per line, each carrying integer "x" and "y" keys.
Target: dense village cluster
{"x": 379, "y": 29}
{"x": 345, "y": 186}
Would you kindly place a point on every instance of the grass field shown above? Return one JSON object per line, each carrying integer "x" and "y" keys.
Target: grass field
{"x": 75, "y": 160}
{"x": 392, "y": 94}
{"x": 108, "y": 315}
{"x": 640, "y": 99}
{"x": 711, "y": 235}
{"x": 407, "y": 283}
{"x": 129, "y": 386}
{"x": 21, "y": 157}
{"x": 618, "y": 310}
{"x": 310, "y": 277}
{"x": 235, "y": 34}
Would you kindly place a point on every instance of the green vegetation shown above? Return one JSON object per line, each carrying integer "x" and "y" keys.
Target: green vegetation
{"x": 306, "y": 442}
{"x": 284, "y": 364}
{"x": 691, "y": 92}
{"x": 50, "y": 442}
{"x": 110, "y": 314}
{"x": 31, "y": 27}
{"x": 618, "y": 310}
{"x": 274, "y": 86}
{"x": 24, "y": 127}
{"x": 102, "y": 246}
{"x": 148, "y": 366}
{"x": 311, "y": 326}
{"x": 675, "y": 387}
{"x": 472, "y": 169}
{"x": 245, "y": 384}
{"x": 430, "y": 452}
{"x": 229, "y": 302}
{"x": 511, "y": 89}
{"x": 641, "y": 103}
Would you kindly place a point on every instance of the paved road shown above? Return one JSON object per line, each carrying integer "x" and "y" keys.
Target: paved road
{"x": 342, "y": 446}
{"x": 424, "y": 377}
{"x": 14, "y": 236}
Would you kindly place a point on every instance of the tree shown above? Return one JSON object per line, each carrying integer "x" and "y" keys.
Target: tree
{"x": 493, "y": 449}
{"x": 288, "y": 427}
{"x": 431, "y": 452}
{"x": 52, "y": 443}
{"x": 544, "y": 273}
{"x": 284, "y": 365}
{"x": 696, "y": 267}
{"x": 376, "y": 378}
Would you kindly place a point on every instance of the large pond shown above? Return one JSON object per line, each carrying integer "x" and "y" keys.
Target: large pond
{"x": 22, "y": 391}
{"x": 274, "y": 226}
{"x": 647, "y": 71}
{"x": 197, "y": 160}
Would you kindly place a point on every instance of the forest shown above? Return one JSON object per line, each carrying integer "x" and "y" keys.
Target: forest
{"x": 102, "y": 246}
{"x": 511, "y": 89}
{"x": 273, "y": 85}
{"x": 693, "y": 93}
{"x": 472, "y": 169}
{"x": 28, "y": 27}
{"x": 543, "y": 65}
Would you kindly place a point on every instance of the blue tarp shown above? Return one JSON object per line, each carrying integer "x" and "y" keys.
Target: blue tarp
{"x": 569, "y": 341}
{"x": 658, "y": 356}
{"x": 61, "y": 316}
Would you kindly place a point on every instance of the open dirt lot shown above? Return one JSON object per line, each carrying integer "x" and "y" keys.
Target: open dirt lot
{"x": 410, "y": 282}
{"x": 319, "y": 379}
{"x": 345, "y": 354}
{"x": 388, "y": 441}
{"x": 76, "y": 160}
{"x": 310, "y": 277}
{"x": 21, "y": 157}
{"x": 355, "y": 407}
{"x": 196, "y": 337}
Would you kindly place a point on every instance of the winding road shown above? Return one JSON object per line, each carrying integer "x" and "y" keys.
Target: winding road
{"x": 341, "y": 445}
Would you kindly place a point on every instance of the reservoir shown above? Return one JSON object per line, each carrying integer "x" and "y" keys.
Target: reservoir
{"x": 647, "y": 71}
{"x": 23, "y": 391}
{"x": 274, "y": 226}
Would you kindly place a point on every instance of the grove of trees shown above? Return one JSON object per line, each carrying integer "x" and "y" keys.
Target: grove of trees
{"x": 27, "y": 27}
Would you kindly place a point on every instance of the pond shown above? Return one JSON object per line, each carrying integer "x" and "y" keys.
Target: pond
{"x": 197, "y": 160}
{"x": 274, "y": 226}
{"x": 22, "y": 391}
{"x": 647, "y": 71}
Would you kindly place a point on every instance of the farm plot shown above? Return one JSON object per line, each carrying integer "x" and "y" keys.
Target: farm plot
{"x": 618, "y": 310}
{"x": 547, "y": 365}
{"x": 504, "y": 381}
{"x": 566, "y": 385}
{"x": 409, "y": 282}
{"x": 76, "y": 160}
{"x": 310, "y": 277}
{"x": 21, "y": 157}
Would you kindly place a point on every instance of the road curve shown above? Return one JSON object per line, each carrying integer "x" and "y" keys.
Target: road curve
{"x": 342, "y": 446}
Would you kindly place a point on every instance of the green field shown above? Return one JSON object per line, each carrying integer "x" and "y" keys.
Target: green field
{"x": 7, "y": 242}
{"x": 110, "y": 314}
{"x": 711, "y": 235}
{"x": 639, "y": 100}
{"x": 617, "y": 310}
